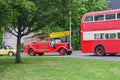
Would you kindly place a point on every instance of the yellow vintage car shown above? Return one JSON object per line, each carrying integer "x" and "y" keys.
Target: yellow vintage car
{"x": 7, "y": 50}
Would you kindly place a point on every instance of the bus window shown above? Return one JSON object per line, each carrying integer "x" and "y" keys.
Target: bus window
{"x": 112, "y": 36}
{"x": 99, "y": 36}
{"x": 118, "y": 35}
{"x": 109, "y": 16}
{"x": 118, "y": 15}
{"x": 107, "y": 36}
{"x": 99, "y": 17}
{"x": 102, "y": 36}
{"x": 96, "y": 36}
{"x": 89, "y": 19}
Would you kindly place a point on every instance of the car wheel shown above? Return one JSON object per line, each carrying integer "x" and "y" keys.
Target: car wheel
{"x": 11, "y": 53}
{"x": 31, "y": 52}
{"x": 62, "y": 51}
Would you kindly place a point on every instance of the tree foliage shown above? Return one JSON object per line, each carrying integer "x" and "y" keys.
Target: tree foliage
{"x": 1, "y": 35}
{"x": 5, "y": 13}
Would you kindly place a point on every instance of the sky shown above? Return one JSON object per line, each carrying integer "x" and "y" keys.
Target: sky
{"x": 114, "y": 4}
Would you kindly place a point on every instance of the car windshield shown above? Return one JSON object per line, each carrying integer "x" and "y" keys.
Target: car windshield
{"x": 8, "y": 47}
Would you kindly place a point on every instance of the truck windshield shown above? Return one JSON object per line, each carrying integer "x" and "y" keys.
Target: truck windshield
{"x": 57, "y": 40}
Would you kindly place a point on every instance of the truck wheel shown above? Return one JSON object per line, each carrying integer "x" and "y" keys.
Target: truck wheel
{"x": 62, "y": 51}
{"x": 11, "y": 53}
{"x": 40, "y": 54}
{"x": 31, "y": 52}
{"x": 69, "y": 52}
{"x": 99, "y": 50}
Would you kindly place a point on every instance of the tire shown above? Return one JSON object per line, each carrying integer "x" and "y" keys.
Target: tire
{"x": 69, "y": 52}
{"x": 11, "y": 53}
{"x": 31, "y": 52}
{"x": 99, "y": 50}
{"x": 40, "y": 54}
{"x": 62, "y": 51}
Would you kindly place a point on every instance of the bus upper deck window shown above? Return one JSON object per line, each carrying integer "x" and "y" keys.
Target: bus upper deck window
{"x": 109, "y": 16}
{"x": 118, "y": 15}
{"x": 89, "y": 19}
{"x": 99, "y": 17}
{"x": 118, "y": 35}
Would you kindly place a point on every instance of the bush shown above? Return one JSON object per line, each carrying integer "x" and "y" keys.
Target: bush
{"x": 76, "y": 42}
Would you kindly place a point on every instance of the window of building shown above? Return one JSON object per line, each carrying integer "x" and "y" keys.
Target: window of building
{"x": 99, "y": 17}
{"x": 89, "y": 19}
{"x": 109, "y": 16}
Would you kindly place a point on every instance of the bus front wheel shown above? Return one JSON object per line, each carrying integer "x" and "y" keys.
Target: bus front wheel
{"x": 99, "y": 50}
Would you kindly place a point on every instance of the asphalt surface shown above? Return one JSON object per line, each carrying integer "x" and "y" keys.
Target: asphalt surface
{"x": 78, "y": 54}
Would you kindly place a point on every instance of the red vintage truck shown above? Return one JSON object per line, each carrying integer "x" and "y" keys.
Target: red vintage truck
{"x": 40, "y": 47}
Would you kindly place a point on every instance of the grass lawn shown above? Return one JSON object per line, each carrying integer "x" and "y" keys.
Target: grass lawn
{"x": 53, "y": 68}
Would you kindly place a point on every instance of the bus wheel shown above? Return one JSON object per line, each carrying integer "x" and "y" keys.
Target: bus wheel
{"x": 99, "y": 50}
{"x": 31, "y": 52}
{"x": 62, "y": 51}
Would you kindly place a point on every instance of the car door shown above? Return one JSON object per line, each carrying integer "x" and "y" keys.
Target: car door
{"x": 2, "y": 50}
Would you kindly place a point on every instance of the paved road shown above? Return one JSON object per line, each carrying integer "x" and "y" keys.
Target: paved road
{"x": 78, "y": 54}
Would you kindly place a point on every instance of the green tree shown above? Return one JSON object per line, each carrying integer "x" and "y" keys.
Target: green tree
{"x": 22, "y": 22}
{"x": 1, "y": 35}
{"x": 6, "y": 13}
{"x": 5, "y": 17}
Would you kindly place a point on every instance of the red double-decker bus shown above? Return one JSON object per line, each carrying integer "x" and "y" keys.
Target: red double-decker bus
{"x": 100, "y": 32}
